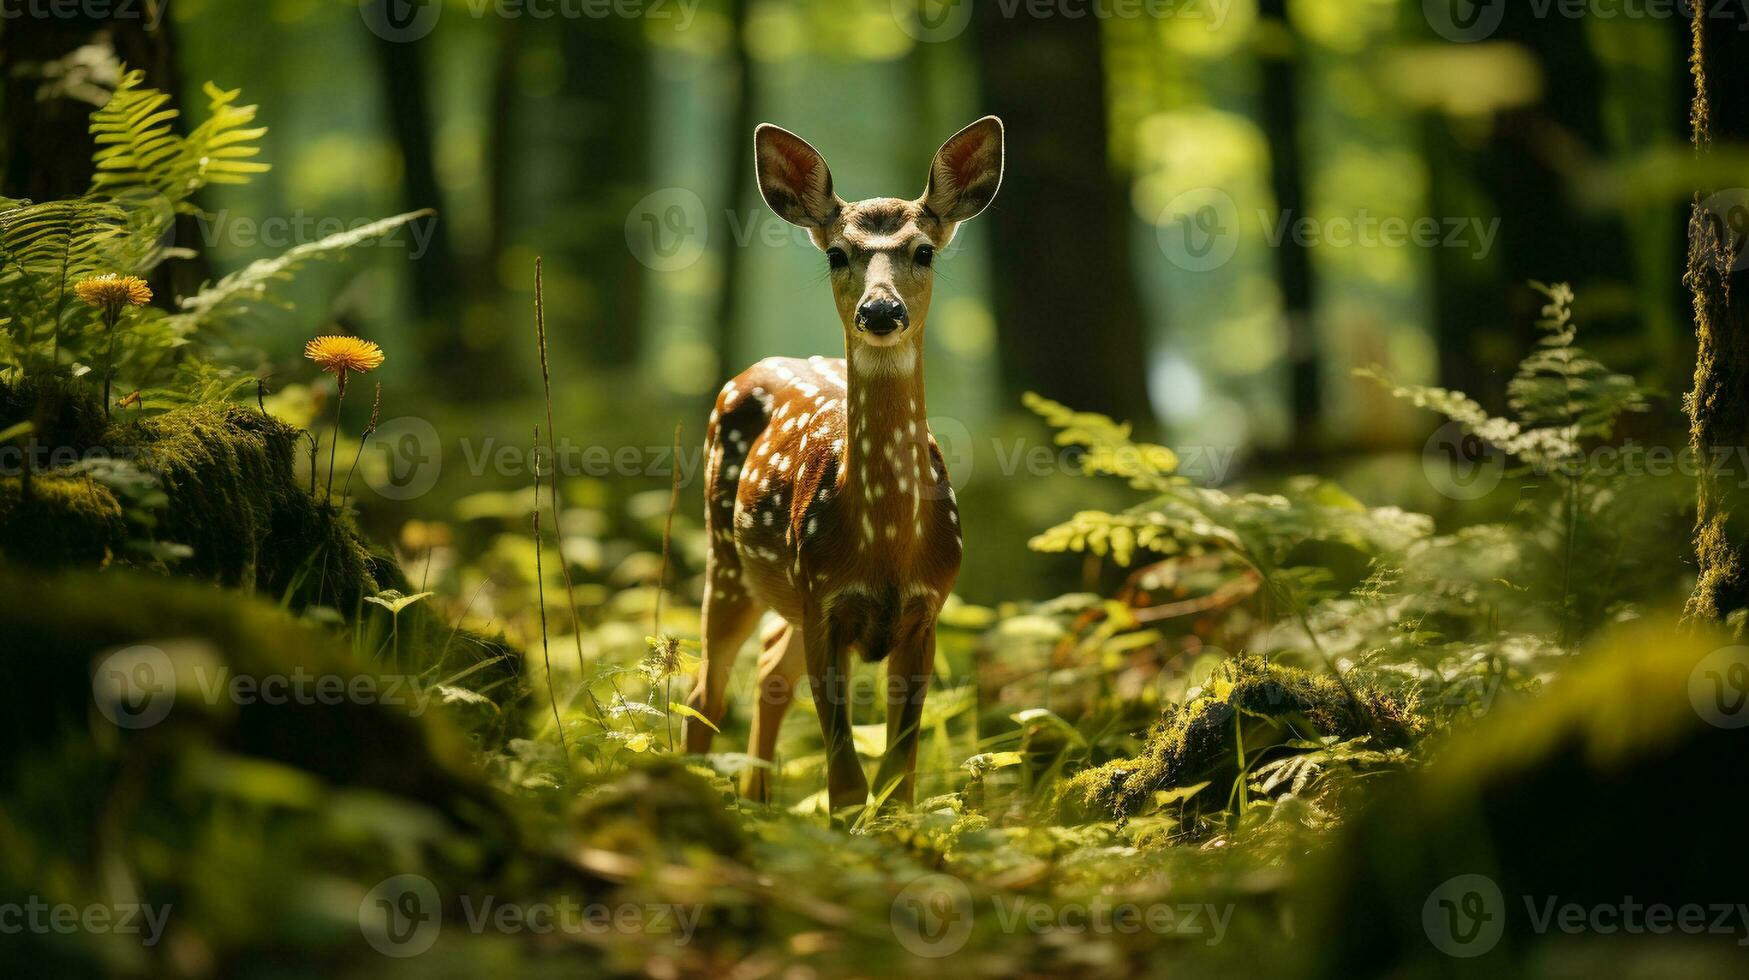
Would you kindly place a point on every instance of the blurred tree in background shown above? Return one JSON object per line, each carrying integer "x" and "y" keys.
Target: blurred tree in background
{"x": 618, "y": 147}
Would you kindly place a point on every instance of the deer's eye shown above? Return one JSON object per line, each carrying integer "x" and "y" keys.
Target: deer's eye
{"x": 925, "y": 255}
{"x": 836, "y": 258}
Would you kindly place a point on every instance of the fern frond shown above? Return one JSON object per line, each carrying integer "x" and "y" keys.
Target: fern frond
{"x": 244, "y": 290}
{"x": 1108, "y": 444}
{"x": 138, "y": 149}
{"x": 1560, "y": 386}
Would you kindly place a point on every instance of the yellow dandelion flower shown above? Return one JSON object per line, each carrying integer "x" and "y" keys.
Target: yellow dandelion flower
{"x": 343, "y": 355}
{"x": 112, "y": 293}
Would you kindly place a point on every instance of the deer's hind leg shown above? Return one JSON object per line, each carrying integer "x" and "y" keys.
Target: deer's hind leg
{"x": 781, "y": 664}
{"x": 730, "y": 610}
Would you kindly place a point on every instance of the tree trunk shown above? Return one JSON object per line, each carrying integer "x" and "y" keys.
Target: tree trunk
{"x": 1520, "y": 177}
{"x": 738, "y": 180}
{"x": 1293, "y": 261}
{"x": 606, "y": 125}
{"x": 1066, "y": 305}
{"x": 45, "y": 128}
{"x": 461, "y": 370}
{"x": 1719, "y": 418}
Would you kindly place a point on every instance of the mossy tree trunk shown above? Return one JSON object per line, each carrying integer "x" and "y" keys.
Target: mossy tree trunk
{"x": 1717, "y": 409}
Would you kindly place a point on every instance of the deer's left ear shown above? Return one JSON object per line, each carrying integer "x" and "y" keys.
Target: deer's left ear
{"x": 966, "y": 171}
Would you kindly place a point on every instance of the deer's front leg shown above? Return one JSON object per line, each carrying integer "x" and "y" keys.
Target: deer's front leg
{"x": 909, "y": 670}
{"x": 828, "y": 660}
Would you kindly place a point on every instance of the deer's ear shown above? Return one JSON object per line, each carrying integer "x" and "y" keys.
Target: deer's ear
{"x": 793, "y": 178}
{"x": 966, "y": 171}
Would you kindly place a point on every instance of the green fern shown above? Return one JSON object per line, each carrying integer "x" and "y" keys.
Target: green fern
{"x": 249, "y": 288}
{"x": 1560, "y": 395}
{"x": 138, "y": 149}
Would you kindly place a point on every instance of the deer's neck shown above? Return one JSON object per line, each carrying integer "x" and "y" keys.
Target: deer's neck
{"x": 888, "y": 472}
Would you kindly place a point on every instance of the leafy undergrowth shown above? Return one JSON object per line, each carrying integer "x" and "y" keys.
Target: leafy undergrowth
{"x": 1301, "y": 736}
{"x": 1252, "y": 719}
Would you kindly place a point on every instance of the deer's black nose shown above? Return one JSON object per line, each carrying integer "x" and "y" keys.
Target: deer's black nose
{"x": 882, "y": 316}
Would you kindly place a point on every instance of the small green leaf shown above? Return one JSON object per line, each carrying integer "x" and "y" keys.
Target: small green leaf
{"x": 394, "y": 601}
{"x": 689, "y": 712}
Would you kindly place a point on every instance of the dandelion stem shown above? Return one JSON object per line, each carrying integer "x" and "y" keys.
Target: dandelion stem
{"x": 109, "y": 318}
{"x": 334, "y": 441}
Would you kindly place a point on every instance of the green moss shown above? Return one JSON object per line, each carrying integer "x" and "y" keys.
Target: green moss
{"x": 60, "y": 520}
{"x": 659, "y": 808}
{"x": 231, "y": 489}
{"x": 1265, "y": 703}
{"x": 1618, "y": 784}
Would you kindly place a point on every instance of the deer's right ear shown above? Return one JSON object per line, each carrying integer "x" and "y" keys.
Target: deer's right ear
{"x": 793, "y": 178}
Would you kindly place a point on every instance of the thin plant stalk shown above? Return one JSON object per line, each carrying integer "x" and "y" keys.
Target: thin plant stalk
{"x": 541, "y": 604}
{"x": 540, "y": 336}
{"x": 376, "y": 417}
{"x": 662, "y": 580}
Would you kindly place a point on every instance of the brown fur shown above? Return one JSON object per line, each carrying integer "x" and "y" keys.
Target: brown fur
{"x": 827, "y": 500}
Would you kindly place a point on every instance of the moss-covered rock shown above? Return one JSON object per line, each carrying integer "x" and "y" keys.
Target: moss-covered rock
{"x": 1250, "y": 708}
{"x": 155, "y": 732}
{"x": 1619, "y": 786}
{"x": 659, "y": 808}
{"x": 61, "y": 519}
{"x": 231, "y": 496}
